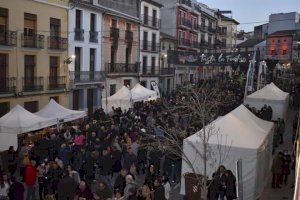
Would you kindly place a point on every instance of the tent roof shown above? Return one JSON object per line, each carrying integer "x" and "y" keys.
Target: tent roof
{"x": 239, "y": 128}
{"x": 19, "y": 120}
{"x": 269, "y": 92}
{"x": 139, "y": 92}
{"x": 123, "y": 93}
{"x": 54, "y": 110}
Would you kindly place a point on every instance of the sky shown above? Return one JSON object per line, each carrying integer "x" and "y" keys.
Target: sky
{"x": 248, "y": 11}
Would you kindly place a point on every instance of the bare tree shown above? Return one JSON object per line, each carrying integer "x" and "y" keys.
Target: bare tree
{"x": 198, "y": 106}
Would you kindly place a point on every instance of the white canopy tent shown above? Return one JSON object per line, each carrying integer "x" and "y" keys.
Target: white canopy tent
{"x": 140, "y": 93}
{"x": 122, "y": 98}
{"x": 53, "y": 110}
{"x": 246, "y": 138}
{"x": 272, "y": 96}
{"x": 18, "y": 121}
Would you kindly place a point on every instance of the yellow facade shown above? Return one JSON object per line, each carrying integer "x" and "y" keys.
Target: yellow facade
{"x": 43, "y": 10}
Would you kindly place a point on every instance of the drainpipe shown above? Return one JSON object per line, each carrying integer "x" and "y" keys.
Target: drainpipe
{"x": 139, "y": 39}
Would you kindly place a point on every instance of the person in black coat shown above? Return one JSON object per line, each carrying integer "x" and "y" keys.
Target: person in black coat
{"x": 120, "y": 181}
{"x": 159, "y": 190}
{"x": 66, "y": 188}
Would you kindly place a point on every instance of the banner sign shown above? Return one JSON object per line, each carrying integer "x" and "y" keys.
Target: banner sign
{"x": 208, "y": 59}
{"x": 250, "y": 76}
{"x": 155, "y": 87}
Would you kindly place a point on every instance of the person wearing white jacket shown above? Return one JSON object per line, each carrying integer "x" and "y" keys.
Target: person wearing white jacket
{"x": 167, "y": 186}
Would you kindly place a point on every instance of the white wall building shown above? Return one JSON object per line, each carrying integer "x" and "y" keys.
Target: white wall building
{"x": 149, "y": 42}
{"x": 85, "y": 44}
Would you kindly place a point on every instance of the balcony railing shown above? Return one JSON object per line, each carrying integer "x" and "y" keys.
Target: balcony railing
{"x": 114, "y": 32}
{"x": 33, "y": 41}
{"x": 211, "y": 29}
{"x": 203, "y": 28}
{"x": 195, "y": 45}
{"x": 57, "y": 43}
{"x": 7, "y": 85}
{"x": 186, "y": 2}
{"x": 149, "y": 46}
{"x": 185, "y": 22}
{"x": 56, "y": 82}
{"x": 79, "y": 34}
{"x": 149, "y": 71}
{"x": 94, "y": 36}
{"x": 184, "y": 42}
{"x": 121, "y": 68}
{"x": 151, "y": 21}
{"x": 129, "y": 36}
{"x": 31, "y": 84}
{"x": 167, "y": 71}
{"x": 86, "y": 76}
{"x": 195, "y": 27}
{"x": 204, "y": 43}
{"x": 8, "y": 38}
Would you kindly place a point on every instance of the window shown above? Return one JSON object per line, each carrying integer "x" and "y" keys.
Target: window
{"x": 77, "y": 59}
{"x": 112, "y": 89}
{"x": 78, "y": 19}
{"x": 29, "y": 69}
{"x": 31, "y": 106}
{"x": 128, "y": 26}
{"x": 3, "y": 23}
{"x": 55, "y": 98}
{"x": 284, "y": 51}
{"x": 144, "y": 65}
{"x": 54, "y": 27}
{"x": 29, "y": 24}
{"x": 92, "y": 59}
{"x": 273, "y": 51}
{"x": 127, "y": 83}
{"x": 153, "y": 42}
{"x": 154, "y": 18}
{"x": 3, "y": 72}
{"x": 114, "y": 23}
{"x": 93, "y": 22}
{"x": 4, "y": 108}
{"x": 146, "y": 15}
{"x": 54, "y": 66}
{"x": 163, "y": 46}
{"x": 153, "y": 63}
{"x": 144, "y": 83}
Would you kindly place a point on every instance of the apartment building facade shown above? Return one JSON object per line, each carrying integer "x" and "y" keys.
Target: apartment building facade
{"x": 226, "y": 38}
{"x": 149, "y": 42}
{"x": 85, "y": 50}
{"x": 33, "y": 48}
{"x": 120, "y": 44}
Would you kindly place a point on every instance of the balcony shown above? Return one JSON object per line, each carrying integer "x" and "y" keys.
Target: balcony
{"x": 86, "y": 76}
{"x": 33, "y": 84}
{"x": 185, "y": 22}
{"x": 151, "y": 21}
{"x": 8, "y": 38}
{"x": 211, "y": 29}
{"x": 94, "y": 36}
{"x": 56, "y": 82}
{"x": 79, "y": 34}
{"x": 149, "y": 71}
{"x": 149, "y": 46}
{"x": 184, "y": 42}
{"x": 121, "y": 68}
{"x": 7, "y": 85}
{"x": 186, "y": 2}
{"x": 204, "y": 43}
{"x": 195, "y": 27}
{"x": 57, "y": 43}
{"x": 167, "y": 71}
{"x": 195, "y": 45}
{"x": 203, "y": 28}
{"x": 33, "y": 41}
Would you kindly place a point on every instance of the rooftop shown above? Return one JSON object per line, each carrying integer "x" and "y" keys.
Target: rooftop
{"x": 167, "y": 36}
{"x": 225, "y": 18}
{"x": 250, "y": 43}
{"x": 154, "y": 3}
{"x": 283, "y": 33}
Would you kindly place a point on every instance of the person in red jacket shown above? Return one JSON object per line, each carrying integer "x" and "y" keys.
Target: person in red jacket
{"x": 30, "y": 180}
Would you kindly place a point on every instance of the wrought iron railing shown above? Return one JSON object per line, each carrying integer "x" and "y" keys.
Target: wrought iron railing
{"x": 33, "y": 41}
{"x": 8, "y": 85}
{"x": 149, "y": 46}
{"x": 57, "y": 43}
{"x": 121, "y": 68}
{"x": 31, "y": 84}
{"x": 94, "y": 36}
{"x": 56, "y": 82}
{"x": 79, "y": 34}
{"x": 151, "y": 21}
{"x": 8, "y": 38}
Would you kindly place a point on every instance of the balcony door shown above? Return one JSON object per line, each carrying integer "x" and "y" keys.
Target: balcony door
{"x": 3, "y": 25}
{"x": 153, "y": 63}
{"x": 153, "y": 48}
{"x": 154, "y": 18}
{"x": 77, "y": 62}
{"x": 92, "y": 63}
{"x": 53, "y": 73}
{"x": 144, "y": 65}
{"x": 29, "y": 72}
{"x": 90, "y": 101}
{"x": 30, "y": 27}
{"x": 3, "y": 73}
{"x": 54, "y": 33}
{"x": 145, "y": 40}
{"x": 146, "y": 14}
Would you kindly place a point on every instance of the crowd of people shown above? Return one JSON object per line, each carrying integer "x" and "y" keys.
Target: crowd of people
{"x": 104, "y": 156}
